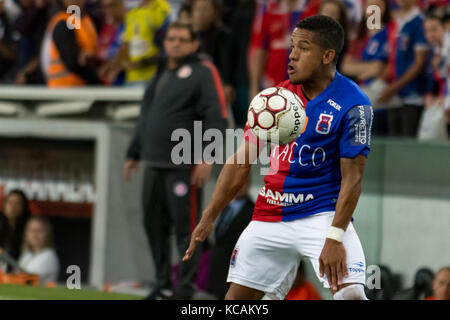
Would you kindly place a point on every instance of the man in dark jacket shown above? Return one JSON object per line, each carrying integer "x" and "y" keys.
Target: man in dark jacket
{"x": 185, "y": 89}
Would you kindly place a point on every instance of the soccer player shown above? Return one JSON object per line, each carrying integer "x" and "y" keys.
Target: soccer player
{"x": 306, "y": 206}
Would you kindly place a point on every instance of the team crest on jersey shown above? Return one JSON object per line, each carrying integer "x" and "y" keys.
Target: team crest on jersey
{"x": 233, "y": 257}
{"x": 324, "y": 124}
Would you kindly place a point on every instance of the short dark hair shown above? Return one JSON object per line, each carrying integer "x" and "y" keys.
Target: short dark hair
{"x": 181, "y": 25}
{"x": 328, "y": 32}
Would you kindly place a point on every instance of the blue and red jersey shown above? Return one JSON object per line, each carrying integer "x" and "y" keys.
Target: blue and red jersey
{"x": 274, "y": 36}
{"x": 405, "y": 36}
{"x": 305, "y": 176}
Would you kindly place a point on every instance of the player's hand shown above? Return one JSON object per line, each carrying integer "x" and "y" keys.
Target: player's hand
{"x": 201, "y": 174}
{"x": 200, "y": 233}
{"x": 128, "y": 167}
{"x": 332, "y": 263}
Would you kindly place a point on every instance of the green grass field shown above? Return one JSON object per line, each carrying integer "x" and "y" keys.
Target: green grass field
{"x": 16, "y": 292}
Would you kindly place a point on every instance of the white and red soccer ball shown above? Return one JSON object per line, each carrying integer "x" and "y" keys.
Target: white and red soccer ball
{"x": 277, "y": 115}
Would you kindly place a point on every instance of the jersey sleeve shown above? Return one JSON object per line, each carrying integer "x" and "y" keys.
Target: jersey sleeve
{"x": 420, "y": 43}
{"x": 356, "y": 132}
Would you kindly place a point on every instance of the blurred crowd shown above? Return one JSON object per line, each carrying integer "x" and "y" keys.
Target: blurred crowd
{"x": 401, "y": 58}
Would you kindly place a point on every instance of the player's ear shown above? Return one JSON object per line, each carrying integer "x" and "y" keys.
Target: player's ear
{"x": 328, "y": 56}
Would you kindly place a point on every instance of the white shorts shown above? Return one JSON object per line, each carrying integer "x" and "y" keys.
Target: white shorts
{"x": 267, "y": 254}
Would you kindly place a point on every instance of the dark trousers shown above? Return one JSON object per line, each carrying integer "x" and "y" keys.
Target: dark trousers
{"x": 404, "y": 121}
{"x": 170, "y": 203}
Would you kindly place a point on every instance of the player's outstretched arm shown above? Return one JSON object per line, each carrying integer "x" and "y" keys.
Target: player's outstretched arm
{"x": 332, "y": 260}
{"x": 233, "y": 176}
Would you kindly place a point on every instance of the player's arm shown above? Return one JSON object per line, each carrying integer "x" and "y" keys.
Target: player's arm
{"x": 233, "y": 176}
{"x": 333, "y": 258}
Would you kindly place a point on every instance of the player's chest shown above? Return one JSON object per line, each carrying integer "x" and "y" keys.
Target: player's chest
{"x": 323, "y": 121}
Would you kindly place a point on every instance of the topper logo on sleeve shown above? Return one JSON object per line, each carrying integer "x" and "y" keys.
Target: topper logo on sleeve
{"x": 324, "y": 124}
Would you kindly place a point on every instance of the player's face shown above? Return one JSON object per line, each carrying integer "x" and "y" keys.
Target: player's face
{"x": 306, "y": 56}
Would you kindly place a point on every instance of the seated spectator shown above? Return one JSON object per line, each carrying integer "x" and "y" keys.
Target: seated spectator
{"x": 337, "y": 10}
{"x": 145, "y": 27}
{"x": 232, "y": 221}
{"x": 70, "y": 54}
{"x": 213, "y": 37}
{"x": 110, "y": 41}
{"x": 441, "y": 285}
{"x": 38, "y": 256}
{"x": 407, "y": 60}
{"x": 31, "y": 25}
{"x": 15, "y": 214}
{"x": 302, "y": 289}
{"x": 7, "y": 46}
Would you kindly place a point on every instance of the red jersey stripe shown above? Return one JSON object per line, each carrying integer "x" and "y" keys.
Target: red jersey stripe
{"x": 219, "y": 87}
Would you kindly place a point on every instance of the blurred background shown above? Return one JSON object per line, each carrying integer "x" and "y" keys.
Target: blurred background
{"x": 66, "y": 121}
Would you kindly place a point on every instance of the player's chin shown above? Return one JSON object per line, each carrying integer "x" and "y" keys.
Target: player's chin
{"x": 294, "y": 78}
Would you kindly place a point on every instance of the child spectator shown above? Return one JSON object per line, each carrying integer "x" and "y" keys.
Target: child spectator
{"x": 408, "y": 53}
{"x": 38, "y": 256}
{"x": 12, "y": 222}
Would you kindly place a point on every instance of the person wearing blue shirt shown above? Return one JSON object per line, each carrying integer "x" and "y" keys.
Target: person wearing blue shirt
{"x": 407, "y": 61}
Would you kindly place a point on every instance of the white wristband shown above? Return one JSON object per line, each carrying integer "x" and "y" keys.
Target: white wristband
{"x": 335, "y": 234}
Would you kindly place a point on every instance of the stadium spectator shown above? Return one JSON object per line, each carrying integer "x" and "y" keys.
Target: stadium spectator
{"x": 434, "y": 33}
{"x": 407, "y": 59}
{"x": 31, "y": 25}
{"x": 184, "y": 89}
{"x": 446, "y": 20}
{"x": 337, "y": 10}
{"x": 355, "y": 14}
{"x": 38, "y": 255}
{"x": 269, "y": 62}
{"x": 232, "y": 221}
{"x": 110, "y": 40}
{"x": 212, "y": 36}
{"x": 70, "y": 54}
{"x": 441, "y": 285}
{"x": 367, "y": 57}
{"x": 440, "y": 39}
{"x": 302, "y": 289}
{"x": 184, "y": 14}
{"x": 15, "y": 214}
{"x": 7, "y": 46}
{"x": 145, "y": 26}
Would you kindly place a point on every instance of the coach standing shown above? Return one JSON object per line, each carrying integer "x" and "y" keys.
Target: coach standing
{"x": 185, "y": 89}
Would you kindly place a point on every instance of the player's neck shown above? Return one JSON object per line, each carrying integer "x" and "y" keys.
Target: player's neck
{"x": 315, "y": 86}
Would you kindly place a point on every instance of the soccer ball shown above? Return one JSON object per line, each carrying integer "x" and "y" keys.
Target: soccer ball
{"x": 276, "y": 115}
